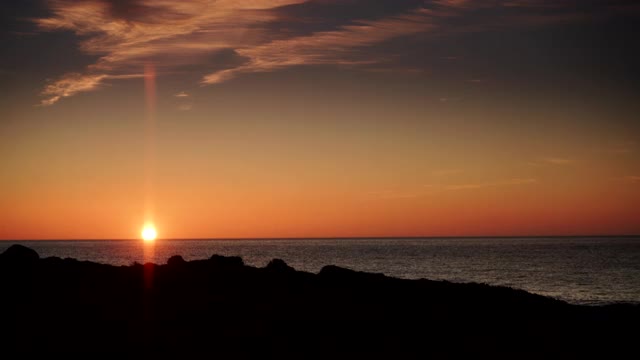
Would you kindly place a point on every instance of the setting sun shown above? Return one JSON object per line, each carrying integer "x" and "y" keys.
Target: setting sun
{"x": 149, "y": 233}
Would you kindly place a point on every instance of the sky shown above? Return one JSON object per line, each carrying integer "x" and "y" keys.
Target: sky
{"x": 319, "y": 118}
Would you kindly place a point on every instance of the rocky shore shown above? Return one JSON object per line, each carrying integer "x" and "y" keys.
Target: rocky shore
{"x": 220, "y": 307}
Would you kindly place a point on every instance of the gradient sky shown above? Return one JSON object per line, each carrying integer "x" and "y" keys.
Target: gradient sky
{"x": 319, "y": 118}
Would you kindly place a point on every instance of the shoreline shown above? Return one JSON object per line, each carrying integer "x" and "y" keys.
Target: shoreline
{"x": 223, "y": 306}
{"x": 579, "y": 271}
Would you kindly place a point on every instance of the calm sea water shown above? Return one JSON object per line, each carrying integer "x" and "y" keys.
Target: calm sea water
{"x": 578, "y": 270}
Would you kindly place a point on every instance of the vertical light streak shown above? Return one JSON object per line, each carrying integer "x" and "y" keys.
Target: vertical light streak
{"x": 149, "y": 141}
{"x": 149, "y": 165}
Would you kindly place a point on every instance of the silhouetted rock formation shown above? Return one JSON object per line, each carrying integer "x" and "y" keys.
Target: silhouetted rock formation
{"x": 222, "y": 308}
{"x": 18, "y": 254}
{"x": 279, "y": 265}
{"x": 227, "y": 261}
{"x": 176, "y": 260}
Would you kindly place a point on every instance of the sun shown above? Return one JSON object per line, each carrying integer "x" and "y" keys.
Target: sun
{"x": 149, "y": 233}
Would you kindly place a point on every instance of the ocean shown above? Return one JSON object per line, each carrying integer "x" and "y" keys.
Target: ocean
{"x": 586, "y": 270}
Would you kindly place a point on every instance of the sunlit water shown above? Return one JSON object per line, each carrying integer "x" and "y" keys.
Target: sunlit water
{"x": 577, "y": 270}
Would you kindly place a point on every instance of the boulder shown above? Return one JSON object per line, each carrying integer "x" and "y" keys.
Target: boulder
{"x": 18, "y": 254}
{"x": 176, "y": 260}
{"x": 279, "y": 265}
{"x": 226, "y": 261}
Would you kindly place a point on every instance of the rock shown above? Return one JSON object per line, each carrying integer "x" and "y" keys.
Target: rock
{"x": 176, "y": 260}
{"x": 344, "y": 275}
{"x": 226, "y": 261}
{"x": 279, "y": 265}
{"x": 18, "y": 254}
{"x": 277, "y": 312}
{"x": 336, "y": 271}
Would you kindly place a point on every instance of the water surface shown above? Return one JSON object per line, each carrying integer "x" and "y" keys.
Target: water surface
{"x": 597, "y": 270}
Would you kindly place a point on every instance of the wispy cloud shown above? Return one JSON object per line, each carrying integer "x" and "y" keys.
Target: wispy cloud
{"x": 509, "y": 182}
{"x": 623, "y": 147}
{"x": 446, "y": 172}
{"x": 73, "y": 83}
{"x": 557, "y": 161}
{"x": 185, "y": 107}
{"x": 185, "y": 102}
{"x": 618, "y": 150}
{"x": 394, "y": 194}
{"x": 434, "y": 189}
{"x": 262, "y": 35}
{"x": 170, "y": 33}
{"x": 69, "y": 85}
{"x": 632, "y": 179}
{"x": 330, "y": 47}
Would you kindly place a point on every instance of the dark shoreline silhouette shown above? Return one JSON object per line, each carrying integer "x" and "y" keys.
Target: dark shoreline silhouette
{"x": 221, "y": 307}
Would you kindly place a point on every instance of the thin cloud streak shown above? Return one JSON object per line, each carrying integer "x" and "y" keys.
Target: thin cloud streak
{"x": 331, "y": 47}
{"x": 551, "y": 161}
{"x": 73, "y": 83}
{"x": 557, "y": 161}
{"x": 635, "y": 179}
{"x": 509, "y": 182}
{"x": 185, "y": 107}
{"x": 433, "y": 189}
{"x": 446, "y": 172}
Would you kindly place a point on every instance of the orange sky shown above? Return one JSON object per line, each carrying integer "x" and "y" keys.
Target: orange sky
{"x": 257, "y": 172}
{"x": 389, "y": 122}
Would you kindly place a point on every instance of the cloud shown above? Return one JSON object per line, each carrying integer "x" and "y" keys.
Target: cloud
{"x": 330, "y": 47}
{"x": 635, "y": 179}
{"x": 73, "y": 83}
{"x": 185, "y": 103}
{"x": 185, "y": 107}
{"x": 69, "y": 85}
{"x": 446, "y": 172}
{"x": 557, "y": 161}
{"x": 392, "y": 195}
{"x": 126, "y": 35}
{"x": 623, "y": 147}
{"x": 433, "y": 189}
{"x": 618, "y": 150}
{"x": 267, "y": 35}
{"x": 510, "y": 182}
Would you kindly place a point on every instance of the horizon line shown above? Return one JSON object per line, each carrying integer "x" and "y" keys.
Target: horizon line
{"x": 343, "y": 238}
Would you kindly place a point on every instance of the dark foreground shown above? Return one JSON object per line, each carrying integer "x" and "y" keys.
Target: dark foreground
{"x": 222, "y": 308}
